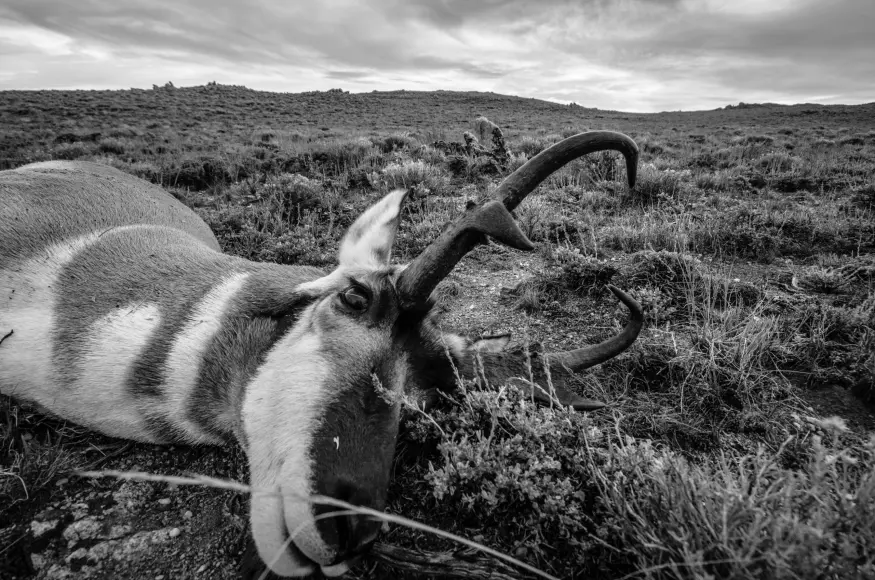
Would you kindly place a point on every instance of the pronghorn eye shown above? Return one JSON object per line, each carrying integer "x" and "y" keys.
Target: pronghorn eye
{"x": 355, "y": 297}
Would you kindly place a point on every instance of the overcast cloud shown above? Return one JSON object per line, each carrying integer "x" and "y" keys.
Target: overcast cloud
{"x": 634, "y": 55}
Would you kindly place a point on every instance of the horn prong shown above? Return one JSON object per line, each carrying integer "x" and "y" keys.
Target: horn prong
{"x": 423, "y": 274}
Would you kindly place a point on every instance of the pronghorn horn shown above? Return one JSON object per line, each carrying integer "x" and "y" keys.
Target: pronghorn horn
{"x": 563, "y": 396}
{"x": 588, "y": 356}
{"x": 419, "y": 279}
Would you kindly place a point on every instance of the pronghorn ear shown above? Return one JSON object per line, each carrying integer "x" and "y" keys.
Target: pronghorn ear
{"x": 495, "y": 343}
{"x": 368, "y": 242}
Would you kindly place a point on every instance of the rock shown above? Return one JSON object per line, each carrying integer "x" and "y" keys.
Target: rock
{"x": 118, "y": 531}
{"x": 40, "y": 529}
{"x": 84, "y": 529}
{"x": 77, "y": 557}
{"x": 58, "y": 572}
{"x": 38, "y": 561}
{"x": 124, "y": 549}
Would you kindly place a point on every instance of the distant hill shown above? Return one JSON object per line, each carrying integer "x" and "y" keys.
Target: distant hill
{"x": 382, "y": 111}
{"x": 218, "y": 119}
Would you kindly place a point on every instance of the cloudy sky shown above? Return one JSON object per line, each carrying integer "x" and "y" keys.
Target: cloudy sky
{"x": 633, "y": 55}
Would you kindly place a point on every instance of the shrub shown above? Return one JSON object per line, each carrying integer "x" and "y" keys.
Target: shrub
{"x": 412, "y": 173}
{"x": 580, "y": 271}
{"x": 264, "y": 136}
{"x": 853, "y": 140}
{"x": 112, "y": 145}
{"x": 71, "y": 151}
{"x": 541, "y": 481}
{"x": 290, "y": 195}
{"x": 198, "y": 173}
{"x": 758, "y": 140}
{"x": 674, "y": 519}
{"x": 395, "y": 142}
{"x": 776, "y": 162}
{"x": 339, "y": 156}
{"x": 515, "y": 466}
{"x": 654, "y": 184}
{"x": 685, "y": 279}
{"x": 530, "y": 145}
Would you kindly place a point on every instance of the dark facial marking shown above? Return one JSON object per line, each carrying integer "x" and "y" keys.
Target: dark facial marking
{"x": 352, "y": 457}
{"x": 231, "y": 360}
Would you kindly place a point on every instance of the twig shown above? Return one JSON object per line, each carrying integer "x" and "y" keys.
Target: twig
{"x": 98, "y": 462}
{"x": 10, "y": 333}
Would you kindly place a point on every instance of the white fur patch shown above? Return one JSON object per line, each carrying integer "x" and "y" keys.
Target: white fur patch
{"x": 280, "y": 414}
{"x": 320, "y": 286}
{"x": 336, "y": 570}
{"x": 111, "y": 347}
{"x": 27, "y": 305}
{"x": 187, "y": 353}
{"x": 455, "y": 344}
{"x": 27, "y": 301}
{"x": 491, "y": 344}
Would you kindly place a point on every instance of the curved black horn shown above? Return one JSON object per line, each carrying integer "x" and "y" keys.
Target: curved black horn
{"x": 493, "y": 217}
{"x": 589, "y": 356}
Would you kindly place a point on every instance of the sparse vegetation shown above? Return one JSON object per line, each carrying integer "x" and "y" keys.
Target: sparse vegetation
{"x": 749, "y": 240}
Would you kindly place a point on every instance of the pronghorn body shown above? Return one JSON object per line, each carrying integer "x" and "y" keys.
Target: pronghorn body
{"x": 122, "y": 354}
{"x": 118, "y": 311}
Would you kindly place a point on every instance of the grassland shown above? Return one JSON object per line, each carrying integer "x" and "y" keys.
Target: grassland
{"x": 739, "y": 438}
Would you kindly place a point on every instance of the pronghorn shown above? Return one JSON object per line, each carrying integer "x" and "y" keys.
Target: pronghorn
{"x": 121, "y": 313}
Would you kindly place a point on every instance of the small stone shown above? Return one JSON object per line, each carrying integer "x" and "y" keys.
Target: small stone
{"x": 79, "y": 555}
{"x": 187, "y": 515}
{"x": 38, "y": 561}
{"x": 159, "y": 577}
{"x": 84, "y": 529}
{"x": 164, "y": 501}
{"x": 62, "y": 482}
{"x": 118, "y": 531}
{"x": 174, "y": 532}
{"x": 202, "y": 569}
{"x": 39, "y": 529}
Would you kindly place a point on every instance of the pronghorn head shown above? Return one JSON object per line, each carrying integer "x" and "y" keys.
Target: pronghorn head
{"x": 321, "y": 414}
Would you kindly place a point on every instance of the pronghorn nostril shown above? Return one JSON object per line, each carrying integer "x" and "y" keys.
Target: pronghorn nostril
{"x": 349, "y": 533}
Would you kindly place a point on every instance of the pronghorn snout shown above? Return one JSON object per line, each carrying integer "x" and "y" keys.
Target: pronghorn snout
{"x": 350, "y": 534}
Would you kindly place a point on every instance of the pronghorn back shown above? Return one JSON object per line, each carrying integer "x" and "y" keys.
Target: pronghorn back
{"x": 118, "y": 311}
{"x": 71, "y": 199}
